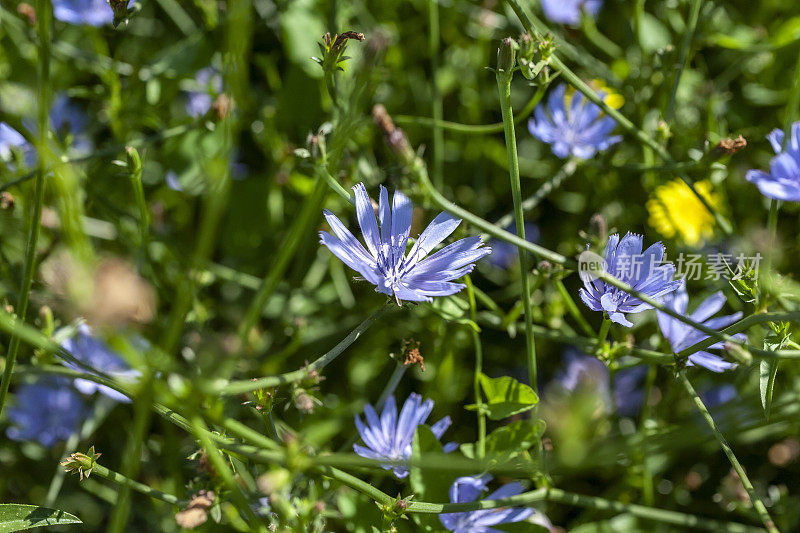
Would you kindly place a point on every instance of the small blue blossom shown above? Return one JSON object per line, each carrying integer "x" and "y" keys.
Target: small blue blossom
{"x": 46, "y": 411}
{"x": 571, "y": 124}
{"x": 641, "y": 270}
{"x": 91, "y": 12}
{"x": 569, "y": 11}
{"x": 207, "y": 86}
{"x": 96, "y": 354}
{"x": 390, "y": 437}
{"x": 783, "y": 180}
{"x": 69, "y": 120}
{"x": 584, "y": 372}
{"x": 681, "y": 335}
{"x": 720, "y": 395}
{"x": 504, "y": 254}
{"x": 10, "y": 140}
{"x": 386, "y": 264}
{"x": 468, "y": 489}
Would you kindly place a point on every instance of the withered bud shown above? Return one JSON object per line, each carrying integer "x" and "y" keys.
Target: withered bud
{"x": 599, "y": 226}
{"x": 7, "y": 201}
{"x": 222, "y": 106}
{"x": 28, "y": 12}
{"x": 412, "y": 355}
{"x": 304, "y": 402}
{"x": 196, "y": 513}
{"x": 395, "y": 137}
{"x": 729, "y": 146}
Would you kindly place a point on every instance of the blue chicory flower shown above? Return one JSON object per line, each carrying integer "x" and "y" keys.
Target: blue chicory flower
{"x": 504, "y": 253}
{"x": 91, "y": 12}
{"x": 641, "y": 270}
{"x": 468, "y": 489}
{"x": 96, "y": 354}
{"x": 67, "y": 118}
{"x": 681, "y": 335}
{"x": 390, "y": 436}
{"x": 569, "y": 11}
{"x": 46, "y": 411}
{"x": 589, "y": 373}
{"x": 207, "y": 86}
{"x": 571, "y": 124}
{"x": 783, "y": 180}
{"x": 11, "y": 139}
{"x": 386, "y": 264}
{"x": 720, "y": 395}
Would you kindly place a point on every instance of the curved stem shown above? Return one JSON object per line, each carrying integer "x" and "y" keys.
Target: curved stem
{"x": 240, "y": 387}
{"x": 759, "y": 506}
{"x": 504, "y": 89}
{"x": 43, "y": 10}
{"x": 475, "y": 128}
{"x": 476, "y": 383}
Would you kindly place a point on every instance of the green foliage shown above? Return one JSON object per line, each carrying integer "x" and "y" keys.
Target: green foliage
{"x": 505, "y": 396}
{"x": 18, "y": 517}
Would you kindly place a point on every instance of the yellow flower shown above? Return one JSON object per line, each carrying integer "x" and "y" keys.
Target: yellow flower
{"x": 610, "y": 96}
{"x": 675, "y": 211}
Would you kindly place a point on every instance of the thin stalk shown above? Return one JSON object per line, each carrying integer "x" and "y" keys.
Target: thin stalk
{"x": 312, "y": 207}
{"x": 240, "y": 387}
{"x": 458, "y": 127}
{"x": 394, "y": 380}
{"x": 638, "y": 133}
{"x": 567, "y": 170}
{"x": 436, "y": 97}
{"x": 135, "y": 166}
{"x": 43, "y": 11}
{"x": 758, "y": 505}
{"x": 476, "y": 384}
{"x": 609, "y": 47}
{"x": 504, "y": 89}
{"x": 572, "y": 307}
{"x": 647, "y": 474}
{"x": 132, "y": 456}
{"x": 683, "y": 58}
{"x": 223, "y": 470}
{"x": 603, "y": 334}
{"x": 116, "y": 477}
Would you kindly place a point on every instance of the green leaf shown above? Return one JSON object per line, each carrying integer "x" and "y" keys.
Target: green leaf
{"x": 18, "y": 517}
{"x": 453, "y": 309}
{"x": 505, "y": 396}
{"x": 768, "y": 368}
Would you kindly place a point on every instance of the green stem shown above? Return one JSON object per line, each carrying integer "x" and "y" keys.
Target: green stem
{"x": 132, "y": 456}
{"x": 223, "y": 470}
{"x": 683, "y": 59}
{"x": 639, "y": 134}
{"x": 573, "y": 308}
{"x": 542, "y": 192}
{"x": 312, "y": 207}
{"x": 504, "y": 90}
{"x": 436, "y": 97}
{"x": 602, "y": 42}
{"x": 43, "y": 10}
{"x": 476, "y": 384}
{"x": 759, "y": 506}
{"x": 644, "y": 430}
{"x": 135, "y": 165}
{"x": 475, "y": 128}
{"x": 116, "y": 477}
{"x": 391, "y": 385}
{"x": 240, "y": 387}
{"x": 603, "y": 334}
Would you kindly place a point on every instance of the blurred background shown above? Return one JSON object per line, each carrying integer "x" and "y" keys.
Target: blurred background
{"x": 158, "y": 83}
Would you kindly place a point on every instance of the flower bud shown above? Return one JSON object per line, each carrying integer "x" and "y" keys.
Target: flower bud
{"x": 507, "y": 55}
